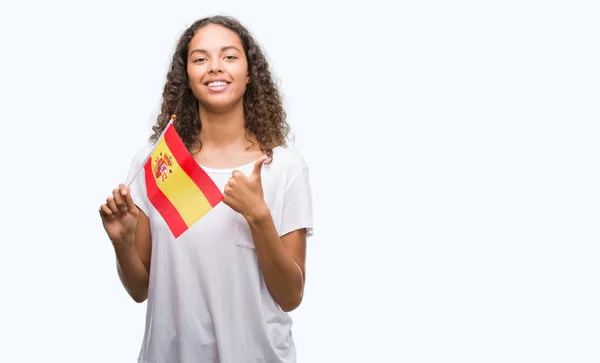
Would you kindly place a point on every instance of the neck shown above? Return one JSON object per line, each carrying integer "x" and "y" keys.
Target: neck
{"x": 223, "y": 129}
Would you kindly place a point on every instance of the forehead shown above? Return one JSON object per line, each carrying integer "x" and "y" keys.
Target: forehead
{"x": 214, "y": 37}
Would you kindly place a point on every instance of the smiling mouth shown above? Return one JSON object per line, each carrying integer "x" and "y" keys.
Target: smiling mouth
{"x": 217, "y": 84}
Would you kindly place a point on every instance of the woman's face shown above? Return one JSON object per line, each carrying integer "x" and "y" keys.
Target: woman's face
{"x": 217, "y": 68}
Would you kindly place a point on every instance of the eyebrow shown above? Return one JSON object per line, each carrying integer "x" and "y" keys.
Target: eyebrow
{"x": 222, "y": 50}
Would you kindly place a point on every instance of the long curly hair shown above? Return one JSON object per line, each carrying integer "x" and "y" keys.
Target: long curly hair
{"x": 264, "y": 113}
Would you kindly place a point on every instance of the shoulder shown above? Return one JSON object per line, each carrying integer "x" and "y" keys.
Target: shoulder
{"x": 137, "y": 160}
{"x": 288, "y": 160}
{"x": 141, "y": 154}
{"x": 289, "y": 157}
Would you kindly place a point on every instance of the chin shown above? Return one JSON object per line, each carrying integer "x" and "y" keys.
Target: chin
{"x": 213, "y": 105}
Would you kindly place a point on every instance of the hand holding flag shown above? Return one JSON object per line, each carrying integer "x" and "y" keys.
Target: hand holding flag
{"x": 119, "y": 215}
{"x": 244, "y": 194}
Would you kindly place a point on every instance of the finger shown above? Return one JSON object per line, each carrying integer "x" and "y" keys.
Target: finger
{"x": 123, "y": 189}
{"x": 112, "y": 205}
{"x": 237, "y": 174}
{"x": 231, "y": 182}
{"x": 226, "y": 201}
{"x": 258, "y": 166}
{"x": 119, "y": 199}
{"x": 105, "y": 212}
{"x": 226, "y": 194}
{"x": 126, "y": 193}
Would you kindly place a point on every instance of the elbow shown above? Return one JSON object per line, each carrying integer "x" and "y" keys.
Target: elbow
{"x": 292, "y": 304}
{"x": 139, "y": 299}
{"x": 290, "y": 308}
{"x": 139, "y": 296}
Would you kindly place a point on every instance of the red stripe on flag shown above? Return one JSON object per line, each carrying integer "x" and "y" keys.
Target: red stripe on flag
{"x": 191, "y": 167}
{"x": 162, "y": 204}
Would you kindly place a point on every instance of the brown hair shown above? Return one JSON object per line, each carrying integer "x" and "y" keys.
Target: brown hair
{"x": 263, "y": 109}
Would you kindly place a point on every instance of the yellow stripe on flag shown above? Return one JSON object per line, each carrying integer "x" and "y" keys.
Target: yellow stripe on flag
{"x": 180, "y": 189}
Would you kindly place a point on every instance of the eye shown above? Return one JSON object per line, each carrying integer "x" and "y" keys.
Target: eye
{"x": 197, "y": 60}
{"x": 231, "y": 57}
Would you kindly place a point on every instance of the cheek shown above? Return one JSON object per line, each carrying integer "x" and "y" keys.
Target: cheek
{"x": 241, "y": 76}
{"x": 195, "y": 74}
{"x": 239, "y": 90}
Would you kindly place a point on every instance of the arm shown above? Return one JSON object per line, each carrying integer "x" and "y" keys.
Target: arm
{"x": 281, "y": 260}
{"x": 129, "y": 232}
{"x": 133, "y": 261}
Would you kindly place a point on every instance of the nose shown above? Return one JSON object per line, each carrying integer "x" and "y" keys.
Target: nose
{"x": 215, "y": 67}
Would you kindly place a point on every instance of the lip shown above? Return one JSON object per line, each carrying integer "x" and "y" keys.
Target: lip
{"x": 217, "y": 88}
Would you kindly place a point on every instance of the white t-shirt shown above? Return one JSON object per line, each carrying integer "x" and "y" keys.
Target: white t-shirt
{"x": 207, "y": 298}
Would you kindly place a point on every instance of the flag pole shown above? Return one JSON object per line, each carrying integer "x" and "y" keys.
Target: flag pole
{"x": 173, "y": 118}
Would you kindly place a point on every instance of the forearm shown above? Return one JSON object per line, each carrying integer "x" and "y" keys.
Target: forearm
{"x": 282, "y": 274}
{"x": 132, "y": 272}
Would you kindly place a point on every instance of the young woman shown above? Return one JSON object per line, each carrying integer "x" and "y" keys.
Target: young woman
{"x": 221, "y": 291}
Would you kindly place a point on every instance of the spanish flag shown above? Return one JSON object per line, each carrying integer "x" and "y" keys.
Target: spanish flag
{"x": 177, "y": 186}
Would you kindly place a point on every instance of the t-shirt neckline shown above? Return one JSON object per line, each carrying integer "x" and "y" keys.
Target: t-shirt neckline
{"x": 229, "y": 170}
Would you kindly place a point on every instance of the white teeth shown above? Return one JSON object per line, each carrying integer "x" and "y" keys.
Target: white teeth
{"x": 217, "y": 84}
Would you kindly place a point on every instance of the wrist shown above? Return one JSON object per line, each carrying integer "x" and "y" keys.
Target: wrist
{"x": 123, "y": 244}
{"x": 258, "y": 214}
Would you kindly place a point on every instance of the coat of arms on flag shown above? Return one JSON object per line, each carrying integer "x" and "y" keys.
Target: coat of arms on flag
{"x": 161, "y": 167}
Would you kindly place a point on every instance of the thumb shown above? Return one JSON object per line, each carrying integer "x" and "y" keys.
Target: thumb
{"x": 258, "y": 166}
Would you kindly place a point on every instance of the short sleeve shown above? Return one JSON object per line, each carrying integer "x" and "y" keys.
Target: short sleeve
{"x": 138, "y": 186}
{"x": 297, "y": 205}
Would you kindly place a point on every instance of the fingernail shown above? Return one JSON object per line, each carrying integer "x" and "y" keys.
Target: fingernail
{"x": 123, "y": 192}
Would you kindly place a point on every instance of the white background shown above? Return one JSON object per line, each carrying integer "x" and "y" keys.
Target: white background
{"x": 454, "y": 160}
